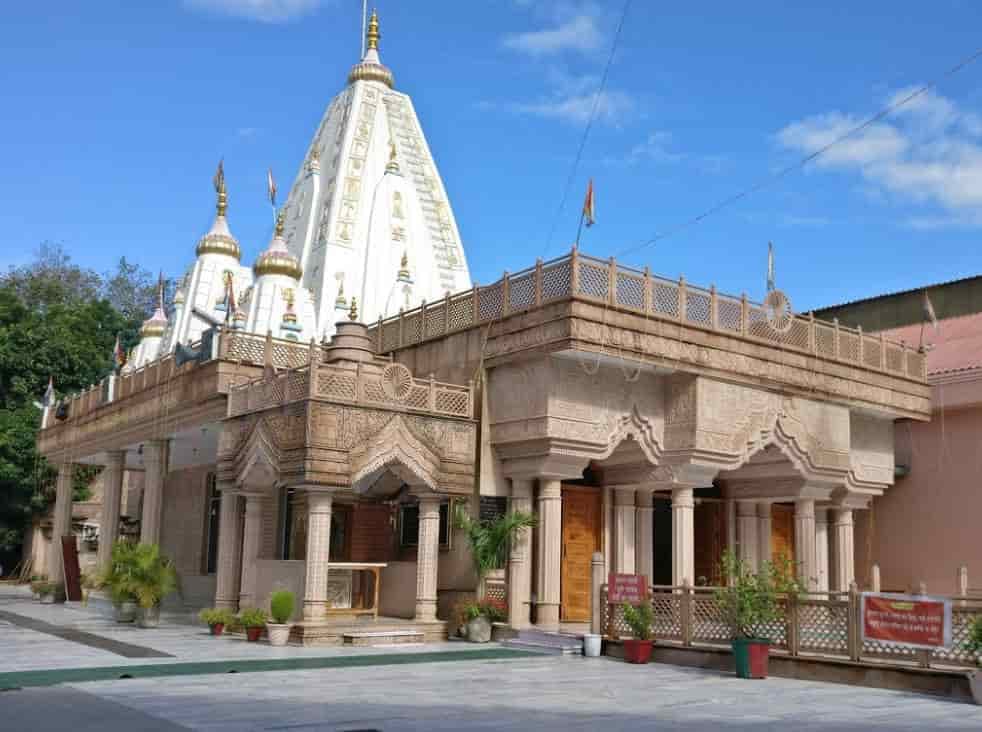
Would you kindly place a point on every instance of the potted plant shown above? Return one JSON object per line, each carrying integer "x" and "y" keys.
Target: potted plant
{"x": 749, "y": 601}
{"x": 489, "y": 539}
{"x": 281, "y": 610}
{"x": 253, "y": 619}
{"x": 216, "y": 619}
{"x": 116, "y": 579}
{"x": 36, "y": 580}
{"x": 975, "y": 646}
{"x": 152, "y": 578}
{"x": 478, "y": 618}
{"x": 638, "y": 619}
{"x": 47, "y": 591}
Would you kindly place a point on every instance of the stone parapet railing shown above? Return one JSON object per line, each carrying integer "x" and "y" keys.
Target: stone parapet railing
{"x": 605, "y": 281}
{"x": 390, "y": 387}
{"x": 819, "y": 624}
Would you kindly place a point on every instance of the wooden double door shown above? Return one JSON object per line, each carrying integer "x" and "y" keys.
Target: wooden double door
{"x": 582, "y": 536}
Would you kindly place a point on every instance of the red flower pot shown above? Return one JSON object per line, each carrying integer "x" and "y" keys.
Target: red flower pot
{"x": 637, "y": 651}
{"x": 253, "y": 634}
{"x": 216, "y": 628}
{"x": 750, "y": 656}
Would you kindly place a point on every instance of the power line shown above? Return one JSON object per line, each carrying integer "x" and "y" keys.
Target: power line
{"x": 589, "y": 125}
{"x": 798, "y": 164}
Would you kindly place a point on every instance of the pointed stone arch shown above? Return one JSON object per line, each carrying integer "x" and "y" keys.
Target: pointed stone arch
{"x": 258, "y": 459}
{"x": 634, "y": 425}
{"x": 398, "y": 449}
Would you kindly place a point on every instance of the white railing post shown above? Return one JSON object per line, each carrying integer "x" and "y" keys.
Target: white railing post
{"x": 574, "y": 272}
{"x": 860, "y": 359}
{"x": 744, "y": 314}
{"x": 683, "y": 300}
{"x": 646, "y": 297}
{"x": 713, "y": 308}
{"x": 432, "y": 394}
{"x": 505, "y": 295}
{"x": 812, "y": 340}
{"x": 612, "y": 282}
{"x": 538, "y": 281}
{"x": 835, "y": 338}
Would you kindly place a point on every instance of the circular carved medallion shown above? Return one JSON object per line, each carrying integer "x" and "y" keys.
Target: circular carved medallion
{"x": 778, "y": 309}
{"x": 397, "y": 381}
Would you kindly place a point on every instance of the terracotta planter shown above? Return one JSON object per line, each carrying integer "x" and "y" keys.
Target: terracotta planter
{"x": 975, "y": 681}
{"x": 254, "y": 634}
{"x": 216, "y": 628}
{"x": 750, "y": 656}
{"x": 278, "y": 634}
{"x": 637, "y": 651}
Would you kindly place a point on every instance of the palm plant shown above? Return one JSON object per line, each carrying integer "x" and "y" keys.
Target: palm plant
{"x": 489, "y": 539}
{"x": 152, "y": 575}
{"x": 117, "y": 577}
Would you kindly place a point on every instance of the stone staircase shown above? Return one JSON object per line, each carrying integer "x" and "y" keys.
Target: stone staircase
{"x": 554, "y": 644}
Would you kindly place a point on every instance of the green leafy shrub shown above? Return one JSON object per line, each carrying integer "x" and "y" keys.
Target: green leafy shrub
{"x": 639, "y": 619}
{"x": 489, "y": 540}
{"x": 45, "y": 588}
{"x": 975, "y": 638}
{"x": 751, "y": 600}
{"x": 216, "y": 616}
{"x": 117, "y": 578}
{"x": 281, "y": 606}
{"x": 493, "y": 610}
{"x": 152, "y": 576}
{"x": 37, "y": 582}
{"x": 252, "y": 617}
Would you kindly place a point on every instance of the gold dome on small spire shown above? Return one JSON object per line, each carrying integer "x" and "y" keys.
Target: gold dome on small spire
{"x": 370, "y": 68}
{"x": 219, "y": 239}
{"x": 277, "y": 259}
{"x": 280, "y": 222}
{"x": 403, "y": 274}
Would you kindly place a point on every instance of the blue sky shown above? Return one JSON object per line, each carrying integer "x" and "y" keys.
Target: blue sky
{"x": 115, "y": 114}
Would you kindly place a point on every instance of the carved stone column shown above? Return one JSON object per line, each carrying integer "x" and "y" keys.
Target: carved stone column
{"x": 61, "y": 522}
{"x": 550, "y": 551}
{"x": 519, "y": 561}
{"x": 156, "y": 454}
{"x": 252, "y": 530}
{"x": 112, "y": 495}
{"x": 844, "y": 569}
{"x": 731, "y": 525}
{"x": 804, "y": 543}
{"x": 764, "y": 530}
{"x": 427, "y": 557}
{"x": 229, "y": 549}
{"x": 747, "y": 532}
{"x": 683, "y": 536}
{"x": 624, "y": 530}
{"x": 319, "y": 508}
{"x": 645, "y": 558}
{"x": 822, "y": 548}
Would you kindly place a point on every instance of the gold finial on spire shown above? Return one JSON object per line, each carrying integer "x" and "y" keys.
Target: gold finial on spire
{"x": 280, "y": 222}
{"x": 403, "y": 275}
{"x": 373, "y": 35}
{"x": 219, "y": 182}
{"x": 160, "y": 291}
{"x": 353, "y": 313}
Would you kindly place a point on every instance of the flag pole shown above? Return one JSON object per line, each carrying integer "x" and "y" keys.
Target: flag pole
{"x": 364, "y": 21}
{"x": 579, "y": 228}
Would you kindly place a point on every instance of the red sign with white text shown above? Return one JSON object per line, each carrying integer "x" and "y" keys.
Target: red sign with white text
{"x": 629, "y": 588}
{"x": 912, "y": 621}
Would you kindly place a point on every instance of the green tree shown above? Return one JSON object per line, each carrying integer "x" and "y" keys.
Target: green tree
{"x": 55, "y": 321}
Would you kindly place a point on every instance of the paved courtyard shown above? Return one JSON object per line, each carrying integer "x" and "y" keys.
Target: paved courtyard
{"x": 417, "y": 693}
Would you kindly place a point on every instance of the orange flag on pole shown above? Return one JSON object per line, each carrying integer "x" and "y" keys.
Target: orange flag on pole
{"x": 589, "y": 212}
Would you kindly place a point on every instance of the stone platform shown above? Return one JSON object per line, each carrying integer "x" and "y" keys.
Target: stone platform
{"x": 337, "y": 631}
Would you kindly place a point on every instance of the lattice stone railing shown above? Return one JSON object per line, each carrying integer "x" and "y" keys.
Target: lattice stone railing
{"x": 818, "y": 624}
{"x": 579, "y": 276}
{"x": 351, "y": 385}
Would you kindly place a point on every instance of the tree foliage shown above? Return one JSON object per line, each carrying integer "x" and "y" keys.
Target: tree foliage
{"x": 57, "y": 320}
{"x": 751, "y": 600}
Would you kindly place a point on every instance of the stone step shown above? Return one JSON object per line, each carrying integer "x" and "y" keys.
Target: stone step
{"x": 549, "y": 649}
{"x": 381, "y": 637}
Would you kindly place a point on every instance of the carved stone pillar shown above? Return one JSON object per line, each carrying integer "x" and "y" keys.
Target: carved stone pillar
{"x": 519, "y": 561}
{"x": 549, "y": 553}
{"x": 804, "y": 543}
{"x": 156, "y": 454}
{"x": 112, "y": 495}
{"x": 624, "y": 531}
{"x": 252, "y": 529}
{"x": 683, "y": 536}
{"x": 319, "y": 508}
{"x": 731, "y": 525}
{"x": 229, "y": 549}
{"x": 843, "y": 571}
{"x": 427, "y": 557}
{"x": 764, "y": 530}
{"x": 645, "y": 557}
{"x": 822, "y": 548}
{"x": 61, "y": 522}
{"x": 747, "y": 532}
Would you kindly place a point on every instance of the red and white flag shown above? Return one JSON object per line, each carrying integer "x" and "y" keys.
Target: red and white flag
{"x": 589, "y": 209}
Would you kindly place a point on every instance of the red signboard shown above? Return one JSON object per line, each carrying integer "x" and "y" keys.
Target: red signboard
{"x": 912, "y": 621}
{"x": 629, "y": 588}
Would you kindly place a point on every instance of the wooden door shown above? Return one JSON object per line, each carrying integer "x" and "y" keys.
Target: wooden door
{"x": 782, "y": 531}
{"x": 710, "y": 541}
{"x": 582, "y": 510}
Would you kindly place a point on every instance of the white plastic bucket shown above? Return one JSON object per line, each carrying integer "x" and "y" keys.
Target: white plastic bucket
{"x": 591, "y": 645}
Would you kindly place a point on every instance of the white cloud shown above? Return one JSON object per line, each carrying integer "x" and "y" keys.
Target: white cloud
{"x": 266, "y": 11}
{"x": 578, "y": 33}
{"x": 612, "y": 107}
{"x": 927, "y": 152}
{"x": 657, "y": 148}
